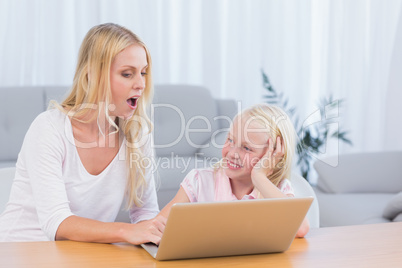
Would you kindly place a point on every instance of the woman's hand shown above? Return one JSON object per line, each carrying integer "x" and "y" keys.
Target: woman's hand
{"x": 146, "y": 231}
{"x": 270, "y": 159}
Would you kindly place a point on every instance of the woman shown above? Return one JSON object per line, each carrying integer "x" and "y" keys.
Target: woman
{"x": 74, "y": 166}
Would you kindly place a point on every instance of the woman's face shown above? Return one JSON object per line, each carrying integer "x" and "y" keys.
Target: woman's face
{"x": 127, "y": 79}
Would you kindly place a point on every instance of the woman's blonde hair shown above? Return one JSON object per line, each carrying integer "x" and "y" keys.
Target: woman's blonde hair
{"x": 277, "y": 123}
{"x": 91, "y": 89}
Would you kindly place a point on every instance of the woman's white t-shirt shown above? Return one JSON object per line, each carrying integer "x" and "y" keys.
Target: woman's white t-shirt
{"x": 52, "y": 184}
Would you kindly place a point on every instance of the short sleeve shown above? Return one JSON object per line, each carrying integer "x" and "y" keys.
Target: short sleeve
{"x": 190, "y": 185}
{"x": 286, "y": 187}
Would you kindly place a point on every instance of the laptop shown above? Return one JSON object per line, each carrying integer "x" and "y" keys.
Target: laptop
{"x": 199, "y": 230}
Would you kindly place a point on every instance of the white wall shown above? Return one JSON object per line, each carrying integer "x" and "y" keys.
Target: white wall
{"x": 309, "y": 49}
{"x": 393, "y": 112}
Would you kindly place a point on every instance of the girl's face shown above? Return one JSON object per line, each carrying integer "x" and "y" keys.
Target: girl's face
{"x": 127, "y": 79}
{"x": 246, "y": 144}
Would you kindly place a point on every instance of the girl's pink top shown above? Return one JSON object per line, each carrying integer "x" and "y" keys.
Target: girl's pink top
{"x": 201, "y": 186}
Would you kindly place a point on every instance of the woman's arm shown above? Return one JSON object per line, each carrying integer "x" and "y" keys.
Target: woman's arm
{"x": 43, "y": 154}
{"x": 87, "y": 230}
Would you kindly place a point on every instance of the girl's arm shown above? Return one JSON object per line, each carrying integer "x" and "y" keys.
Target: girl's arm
{"x": 264, "y": 169}
{"x": 303, "y": 229}
{"x": 267, "y": 189}
{"x": 181, "y": 197}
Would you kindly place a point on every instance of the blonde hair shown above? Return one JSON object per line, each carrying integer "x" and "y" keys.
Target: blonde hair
{"x": 91, "y": 86}
{"x": 277, "y": 123}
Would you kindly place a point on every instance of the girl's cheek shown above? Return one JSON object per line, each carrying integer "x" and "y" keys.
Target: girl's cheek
{"x": 254, "y": 161}
{"x": 225, "y": 151}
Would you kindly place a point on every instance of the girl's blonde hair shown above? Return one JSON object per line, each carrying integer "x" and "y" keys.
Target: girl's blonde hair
{"x": 277, "y": 123}
{"x": 91, "y": 89}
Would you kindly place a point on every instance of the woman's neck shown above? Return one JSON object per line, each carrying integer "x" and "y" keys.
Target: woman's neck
{"x": 91, "y": 130}
{"x": 94, "y": 123}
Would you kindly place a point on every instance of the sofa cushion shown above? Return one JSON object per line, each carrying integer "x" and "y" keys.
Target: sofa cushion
{"x": 351, "y": 209}
{"x": 398, "y": 218}
{"x": 360, "y": 173}
{"x": 19, "y": 106}
{"x": 55, "y": 93}
{"x": 183, "y": 122}
{"x": 393, "y": 207}
{"x": 4, "y": 164}
{"x": 214, "y": 149}
{"x": 227, "y": 109}
{"x": 6, "y": 180}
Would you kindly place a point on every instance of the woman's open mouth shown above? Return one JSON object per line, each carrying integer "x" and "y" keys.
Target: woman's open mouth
{"x": 132, "y": 102}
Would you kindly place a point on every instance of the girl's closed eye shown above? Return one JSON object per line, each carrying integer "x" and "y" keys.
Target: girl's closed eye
{"x": 143, "y": 73}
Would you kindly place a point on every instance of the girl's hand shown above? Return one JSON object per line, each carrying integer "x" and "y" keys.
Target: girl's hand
{"x": 265, "y": 166}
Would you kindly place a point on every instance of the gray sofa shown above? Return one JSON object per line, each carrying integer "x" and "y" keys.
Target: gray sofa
{"x": 19, "y": 106}
{"x": 189, "y": 127}
{"x": 362, "y": 188}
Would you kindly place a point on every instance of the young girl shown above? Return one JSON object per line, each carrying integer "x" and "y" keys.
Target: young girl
{"x": 74, "y": 166}
{"x": 256, "y": 163}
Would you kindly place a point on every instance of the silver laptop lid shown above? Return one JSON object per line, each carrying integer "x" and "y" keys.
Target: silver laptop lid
{"x": 197, "y": 230}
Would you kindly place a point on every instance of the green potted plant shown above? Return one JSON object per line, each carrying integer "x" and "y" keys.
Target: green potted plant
{"x": 313, "y": 137}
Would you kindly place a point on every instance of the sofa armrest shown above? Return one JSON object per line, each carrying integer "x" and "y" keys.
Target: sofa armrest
{"x": 14, "y": 121}
{"x": 361, "y": 173}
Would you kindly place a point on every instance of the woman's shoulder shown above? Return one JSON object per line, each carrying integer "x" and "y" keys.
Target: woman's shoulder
{"x": 46, "y": 135}
{"x": 52, "y": 120}
{"x": 52, "y": 114}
